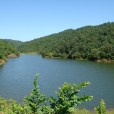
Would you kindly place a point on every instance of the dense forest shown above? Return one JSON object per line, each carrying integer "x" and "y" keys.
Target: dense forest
{"x": 7, "y": 49}
{"x": 89, "y": 42}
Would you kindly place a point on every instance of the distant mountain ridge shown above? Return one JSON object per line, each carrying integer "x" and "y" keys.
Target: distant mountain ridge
{"x": 15, "y": 43}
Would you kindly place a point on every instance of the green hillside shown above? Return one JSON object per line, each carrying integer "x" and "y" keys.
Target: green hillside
{"x": 6, "y": 49}
{"x": 15, "y": 43}
{"x": 89, "y": 42}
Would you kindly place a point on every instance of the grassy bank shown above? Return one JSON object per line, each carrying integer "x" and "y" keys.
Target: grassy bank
{"x": 12, "y": 107}
{"x": 84, "y": 111}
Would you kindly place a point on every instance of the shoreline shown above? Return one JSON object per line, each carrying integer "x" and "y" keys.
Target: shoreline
{"x": 105, "y": 61}
{"x": 34, "y": 53}
{"x": 81, "y": 59}
{"x": 2, "y": 62}
{"x": 12, "y": 55}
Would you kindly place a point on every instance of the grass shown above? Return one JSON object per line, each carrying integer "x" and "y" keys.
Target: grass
{"x": 84, "y": 111}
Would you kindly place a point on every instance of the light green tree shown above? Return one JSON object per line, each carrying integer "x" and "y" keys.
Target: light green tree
{"x": 68, "y": 98}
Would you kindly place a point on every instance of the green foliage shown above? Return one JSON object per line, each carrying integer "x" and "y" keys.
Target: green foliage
{"x": 90, "y": 42}
{"x": 15, "y": 43}
{"x": 102, "y": 108}
{"x": 82, "y": 111}
{"x": 12, "y": 107}
{"x": 6, "y": 49}
{"x": 46, "y": 109}
{"x": 35, "y": 100}
{"x": 68, "y": 98}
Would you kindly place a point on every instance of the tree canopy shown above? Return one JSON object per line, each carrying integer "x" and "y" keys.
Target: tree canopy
{"x": 15, "y": 43}
{"x": 89, "y": 42}
{"x": 6, "y": 49}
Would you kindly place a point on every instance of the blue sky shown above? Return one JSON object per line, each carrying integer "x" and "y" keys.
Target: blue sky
{"x": 29, "y": 19}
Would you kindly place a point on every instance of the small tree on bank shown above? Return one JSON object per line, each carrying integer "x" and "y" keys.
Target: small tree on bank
{"x": 35, "y": 100}
{"x": 68, "y": 98}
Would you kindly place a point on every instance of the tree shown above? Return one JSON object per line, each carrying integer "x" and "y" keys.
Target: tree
{"x": 68, "y": 98}
{"x": 35, "y": 100}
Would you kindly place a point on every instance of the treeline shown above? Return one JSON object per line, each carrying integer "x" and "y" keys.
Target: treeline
{"x": 66, "y": 102}
{"x": 7, "y": 49}
{"x": 89, "y": 42}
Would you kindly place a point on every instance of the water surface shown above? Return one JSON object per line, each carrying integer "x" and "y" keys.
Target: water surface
{"x": 17, "y": 75}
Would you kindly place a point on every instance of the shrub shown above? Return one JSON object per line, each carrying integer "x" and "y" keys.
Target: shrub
{"x": 102, "y": 108}
{"x": 68, "y": 98}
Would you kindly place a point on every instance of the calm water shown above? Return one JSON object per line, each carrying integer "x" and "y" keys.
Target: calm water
{"x": 17, "y": 75}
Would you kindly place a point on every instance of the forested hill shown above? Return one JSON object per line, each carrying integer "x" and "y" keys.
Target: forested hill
{"x": 6, "y": 49}
{"x": 15, "y": 43}
{"x": 89, "y": 42}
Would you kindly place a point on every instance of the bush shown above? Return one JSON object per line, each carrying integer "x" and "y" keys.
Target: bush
{"x": 68, "y": 98}
{"x": 102, "y": 108}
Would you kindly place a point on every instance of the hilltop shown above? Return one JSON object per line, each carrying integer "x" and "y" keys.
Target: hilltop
{"x": 89, "y": 42}
{"x": 15, "y": 43}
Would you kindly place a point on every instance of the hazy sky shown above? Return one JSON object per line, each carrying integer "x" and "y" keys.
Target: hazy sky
{"x": 28, "y": 19}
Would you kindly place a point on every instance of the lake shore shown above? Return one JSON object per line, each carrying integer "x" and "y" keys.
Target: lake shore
{"x": 105, "y": 61}
{"x": 12, "y": 55}
{"x": 30, "y": 53}
{"x": 81, "y": 59}
{"x": 2, "y": 62}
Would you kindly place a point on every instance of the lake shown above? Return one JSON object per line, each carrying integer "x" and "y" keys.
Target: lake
{"x": 17, "y": 75}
